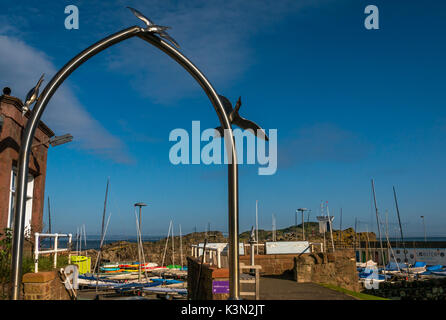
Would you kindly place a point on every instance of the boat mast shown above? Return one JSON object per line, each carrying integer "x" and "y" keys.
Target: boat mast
{"x": 324, "y": 230}
{"x": 167, "y": 241}
{"x": 331, "y": 228}
{"x": 181, "y": 249}
{"x": 379, "y": 229}
{"x": 257, "y": 225}
{"x": 340, "y": 227}
{"x": 103, "y": 219}
{"x": 354, "y": 243}
{"x": 399, "y": 222}
{"x": 105, "y": 207}
{"x": 173, "y": 249}
{"x": 368, "y": 243}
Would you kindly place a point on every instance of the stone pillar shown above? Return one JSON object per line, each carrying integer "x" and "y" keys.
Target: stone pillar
{"x": 44, "y": 286}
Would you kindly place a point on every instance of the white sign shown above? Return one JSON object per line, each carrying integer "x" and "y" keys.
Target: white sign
{"x": 287, "y": 247}
{"x": 432, "y": 256}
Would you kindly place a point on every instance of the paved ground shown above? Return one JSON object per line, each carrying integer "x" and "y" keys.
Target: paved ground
{"x": 275, "y": 288}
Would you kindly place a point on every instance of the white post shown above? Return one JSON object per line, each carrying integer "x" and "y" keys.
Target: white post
{"x": 56, "y": 240}
{"x": 218, "y": 258}
{"x": 69, "y": 248}
{"x": 36, "y": 252}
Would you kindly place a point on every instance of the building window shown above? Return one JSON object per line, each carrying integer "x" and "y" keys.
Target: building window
{"x": 29, "y": 202}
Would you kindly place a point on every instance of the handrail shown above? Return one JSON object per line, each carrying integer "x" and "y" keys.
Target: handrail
{"x": 56, "y": 249}
{"x": 196, "y": 249}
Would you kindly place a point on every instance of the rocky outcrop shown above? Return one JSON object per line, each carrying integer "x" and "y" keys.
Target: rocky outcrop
{"x": 154, "y": 251}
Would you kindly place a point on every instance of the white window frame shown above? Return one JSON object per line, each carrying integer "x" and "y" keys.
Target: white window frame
{"x": 29, "y": 201}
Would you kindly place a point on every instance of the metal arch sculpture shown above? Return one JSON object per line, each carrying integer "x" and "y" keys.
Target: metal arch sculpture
{"x": 149, "y": 36}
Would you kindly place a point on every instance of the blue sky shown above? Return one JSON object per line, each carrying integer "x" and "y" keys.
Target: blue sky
{"x": 349, "y": 104}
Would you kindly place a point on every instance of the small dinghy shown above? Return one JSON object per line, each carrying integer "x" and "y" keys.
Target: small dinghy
{"x": 437, "y": 267}
{"x": 418, "y": 267}
{"x": 369, "y": 263}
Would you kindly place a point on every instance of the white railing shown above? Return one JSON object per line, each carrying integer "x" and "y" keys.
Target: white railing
{"x": 211, "y": 252}
{"x": 56, "y": 249}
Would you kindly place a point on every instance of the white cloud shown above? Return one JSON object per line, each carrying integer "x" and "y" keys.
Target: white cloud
{"x": 21, "y": 67}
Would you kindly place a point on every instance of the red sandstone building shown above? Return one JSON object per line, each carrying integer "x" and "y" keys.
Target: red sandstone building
{"x": 12, "y": 124}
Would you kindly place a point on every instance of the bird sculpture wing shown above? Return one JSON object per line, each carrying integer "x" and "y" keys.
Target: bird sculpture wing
{"x": 248, "y": 124}
{"x": 142, "y": 17}
{"x": 166, "y": 36}
{"x": 29, "y": 96}
{"x": 252, "y": 233}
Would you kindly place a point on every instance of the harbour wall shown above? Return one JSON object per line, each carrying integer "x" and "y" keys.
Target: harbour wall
{"x": 338, "y": 268}
{"x": 272, "y": 264}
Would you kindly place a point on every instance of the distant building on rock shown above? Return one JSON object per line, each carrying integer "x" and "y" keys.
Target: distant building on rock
{"x": 12, "y": 124}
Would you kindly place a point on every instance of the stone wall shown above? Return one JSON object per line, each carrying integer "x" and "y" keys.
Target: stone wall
{"x": 272, "y": 264}
{"x": 44, "y": 286}
{"x": 337, "y": 268}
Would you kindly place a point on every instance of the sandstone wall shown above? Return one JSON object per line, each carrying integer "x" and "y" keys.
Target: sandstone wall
{"x": 272, "y": 264}
{"x": 337, "y": 268}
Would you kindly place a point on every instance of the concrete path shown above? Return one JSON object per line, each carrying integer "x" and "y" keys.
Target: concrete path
{"x": 274, "y": 288}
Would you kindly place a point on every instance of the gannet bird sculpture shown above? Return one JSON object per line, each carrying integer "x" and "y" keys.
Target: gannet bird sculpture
{"x": 154, "y": 28}
{"x": 235, "y": 118}
{"x": 252, "y": 237}
{"x": 32, "y": 96}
